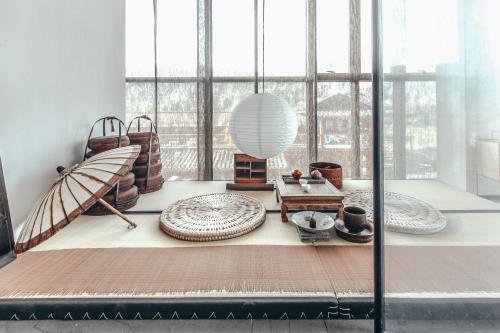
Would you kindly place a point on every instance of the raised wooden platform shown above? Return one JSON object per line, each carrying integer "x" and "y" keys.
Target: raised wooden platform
{"x": 97, "y": 268}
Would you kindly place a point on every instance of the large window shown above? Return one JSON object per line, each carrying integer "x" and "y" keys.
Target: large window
{"x": 317, "y": 57}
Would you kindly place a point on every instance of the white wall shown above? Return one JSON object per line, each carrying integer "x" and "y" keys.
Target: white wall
{"x": 62, "y": 66}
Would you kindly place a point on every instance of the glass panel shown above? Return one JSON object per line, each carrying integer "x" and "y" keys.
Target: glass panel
{"x": 139, "y": 33}
{"x": 296, "y": 156}
{"x": 177, "y": 126}
{"x": 366, "y": 130}
{"x": 442, "y": 233}
{"x": 177, "y": 38}
{"x": 334, "y": 124}
{"x": 420, "y": 47}
{"x": 421, "y": 131}
{"x": 139, "y": 100}
{"x": 410, "y": 132}
{"x": 226, "y": 96}
{"x": 332, "y": 36}
{"x": 366, "y": 36}
{"x": 233, "y": 37}
{"x": 388, "y": 133}
{"x": 285, "y": 38}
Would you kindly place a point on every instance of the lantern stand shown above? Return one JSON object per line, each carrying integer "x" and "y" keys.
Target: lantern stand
{"x": 261, "y": 126}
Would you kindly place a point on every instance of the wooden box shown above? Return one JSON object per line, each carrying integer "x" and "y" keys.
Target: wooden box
{"x": 248, "y": 169}
{"x": 250, "y": 173}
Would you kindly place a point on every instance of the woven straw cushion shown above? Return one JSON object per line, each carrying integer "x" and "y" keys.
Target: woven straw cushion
{"x": 402, "y": 213}
{"x": 212, "y": 217}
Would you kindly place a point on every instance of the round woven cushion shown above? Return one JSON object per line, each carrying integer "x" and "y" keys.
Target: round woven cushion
{"x": 212, "y": 217}
{"x": 402, "y": 213}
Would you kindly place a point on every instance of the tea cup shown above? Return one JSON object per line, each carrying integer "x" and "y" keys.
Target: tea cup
{"x": 355, "y": 219}
{"x": 305, "y": 187}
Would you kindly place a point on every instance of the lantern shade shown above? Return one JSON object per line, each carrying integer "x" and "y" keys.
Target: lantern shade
{"x": 263, "y": 125}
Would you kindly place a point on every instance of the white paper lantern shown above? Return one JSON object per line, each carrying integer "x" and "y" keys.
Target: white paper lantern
{"x": 263, "y": 125}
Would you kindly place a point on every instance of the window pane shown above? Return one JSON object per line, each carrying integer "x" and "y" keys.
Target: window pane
{"x": 177, "y": 38}
{"x": 421, "y": 130}
{"x": 139, "y": 38}
{"x": 233, "y": 37}
{"x": 333, "y": 35}
{"x": 139, "y": 100}
{"x": 388, "y": 133}
{"x": 366, "y": 129}
{"x": 412, "y": 153}
{"x": 334, "y": 124}
{"x": 420, "y": 47}
{"x": 226, "y": 96}
{"x": 366, "y": 36}
{"x": 177, "y": 126}
{"x": 296, "y": 156}
{"x": 285, "y": 38}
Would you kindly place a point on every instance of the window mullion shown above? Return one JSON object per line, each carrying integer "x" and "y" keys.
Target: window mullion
{"x": 355, "y": 69}
{"x": 311, "y": 84}
{"x": 204, "y": 90}
{"x": 399, "y": 123}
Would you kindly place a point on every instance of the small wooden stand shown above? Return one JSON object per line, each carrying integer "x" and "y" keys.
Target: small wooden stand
{"x": 321, "y": 197}
{"x": 250, "y": 174}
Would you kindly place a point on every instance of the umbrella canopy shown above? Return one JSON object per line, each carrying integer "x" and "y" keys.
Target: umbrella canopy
{"x": 75, "y": 191}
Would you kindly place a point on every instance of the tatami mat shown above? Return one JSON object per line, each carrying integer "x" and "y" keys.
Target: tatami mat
{"x": 155, "y": 272}
{"x": 252, "y": 270}
{"x": 440, "y": 195}
{"x": 111, "y": 232}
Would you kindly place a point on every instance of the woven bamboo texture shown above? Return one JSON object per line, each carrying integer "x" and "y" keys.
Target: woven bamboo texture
{"x": 212, "y": 217}
{"x": 403, "y": 213}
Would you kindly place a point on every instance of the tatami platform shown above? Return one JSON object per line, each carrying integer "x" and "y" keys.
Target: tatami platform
{"x": 96, "y": 264}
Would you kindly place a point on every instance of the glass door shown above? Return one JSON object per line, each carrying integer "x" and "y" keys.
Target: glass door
{"x": 441, "y": 143}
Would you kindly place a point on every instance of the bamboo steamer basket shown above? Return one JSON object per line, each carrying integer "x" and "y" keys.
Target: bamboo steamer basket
{"x": 103, "y": 143}
{"x": 142, "y": 137}
{"x": 155, "y": 183}
{"x": 126, "y": 200}
{"x": 143, "y": 158}
{"x": 141, "y": 170}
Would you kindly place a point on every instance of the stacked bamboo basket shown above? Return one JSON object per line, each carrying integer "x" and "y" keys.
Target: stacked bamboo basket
{"x": 124, "y": 195}
{"x": 148, "y": 166}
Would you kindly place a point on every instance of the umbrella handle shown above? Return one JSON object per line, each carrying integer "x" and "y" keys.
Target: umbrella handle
{"x": 112, "y": 209}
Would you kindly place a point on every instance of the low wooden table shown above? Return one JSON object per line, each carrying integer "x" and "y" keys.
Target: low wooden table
{"x": 320, "y": 197}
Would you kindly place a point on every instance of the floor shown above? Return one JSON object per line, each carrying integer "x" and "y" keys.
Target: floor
{"x": 241, "y": 326}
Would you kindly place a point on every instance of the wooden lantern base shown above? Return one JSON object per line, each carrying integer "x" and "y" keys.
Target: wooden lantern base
{"x": 250, "y": 174}
{"x": 250, "y": 187}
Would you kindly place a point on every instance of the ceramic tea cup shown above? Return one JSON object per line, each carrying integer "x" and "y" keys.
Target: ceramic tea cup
{"x": 305, "y": 187}
{"x": 355, "y": 219}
